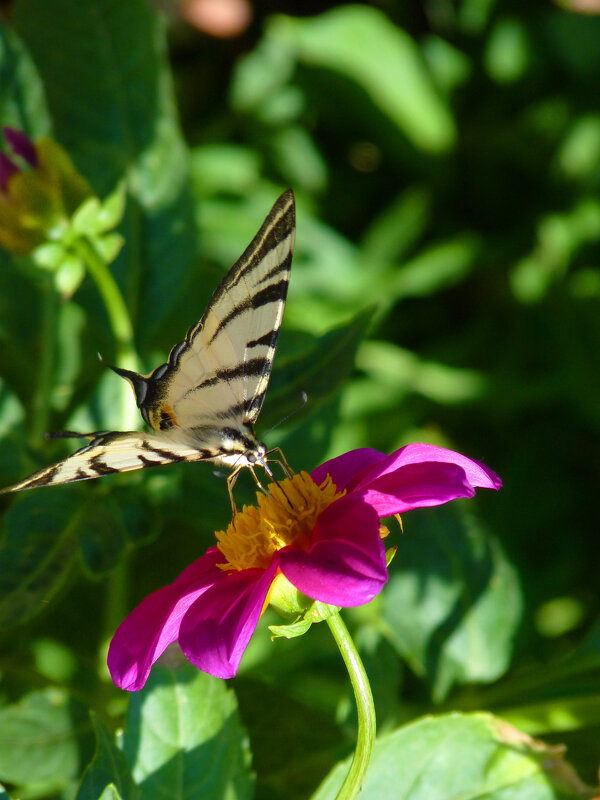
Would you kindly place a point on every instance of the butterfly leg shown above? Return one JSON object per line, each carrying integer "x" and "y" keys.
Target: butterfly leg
{"x": 269, "y": 472}
{"x": 231, "y": 480}
{"x": 282, "y": 461}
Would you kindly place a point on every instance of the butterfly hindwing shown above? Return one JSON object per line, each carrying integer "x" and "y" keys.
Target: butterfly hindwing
{"x": 108, "y": 453}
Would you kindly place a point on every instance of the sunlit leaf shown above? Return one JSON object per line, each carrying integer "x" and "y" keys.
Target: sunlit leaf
{"x": 42, "y": 741}
{"x": 362, "y": 44}
{"x": 183, "y": 738}
{"x": 463, "y": 755}
{"x": 454, "y": 603}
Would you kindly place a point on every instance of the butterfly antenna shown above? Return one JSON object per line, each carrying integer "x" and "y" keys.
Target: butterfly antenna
{"x": 299, "y": 407}
{"x": 72, "y": 435}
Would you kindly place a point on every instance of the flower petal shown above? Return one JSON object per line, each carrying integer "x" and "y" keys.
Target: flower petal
{"x": 416, "y": 486}
{"x": 216, "y": 630}
{"x": 477, "y": 474}
{"x": 345, "y": 564}
{"x": 419, "y": 475}
{"x": 143, "y": 636}
{"x": 346, "y": 467}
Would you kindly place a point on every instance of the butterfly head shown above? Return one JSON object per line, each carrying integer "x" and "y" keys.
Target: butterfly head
{"x": 138, "y": 383}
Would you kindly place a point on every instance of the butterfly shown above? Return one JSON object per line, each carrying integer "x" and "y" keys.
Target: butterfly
{"x": 202, "y": 403}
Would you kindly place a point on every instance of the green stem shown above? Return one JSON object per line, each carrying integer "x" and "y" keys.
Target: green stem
{"x": 45, "y": 370}
{"x": 119, "y": 319}
{"x": 118, "y": 315}
{"x": 364, "y": 704}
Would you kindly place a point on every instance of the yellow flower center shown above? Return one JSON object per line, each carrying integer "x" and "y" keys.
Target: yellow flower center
{"x": 285, "y": 516}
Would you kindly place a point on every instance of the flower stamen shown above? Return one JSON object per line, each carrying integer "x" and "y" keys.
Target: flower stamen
{"x": 283, "y": 516}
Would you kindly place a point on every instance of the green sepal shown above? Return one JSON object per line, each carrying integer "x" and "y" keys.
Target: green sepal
{"x": 317, "y": 612}
{"x": 93, "y": 216}
{"x": 68, "y": 268}
{"x": 69, "y": 275}
{"x": 109, "y": 246}
{"x": 49, "y": 255}
{"x": 290, "y": 631}
{"x": 288, "y": 601}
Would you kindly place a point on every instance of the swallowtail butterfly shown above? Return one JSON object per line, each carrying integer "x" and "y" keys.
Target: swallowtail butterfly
{"x": 202, "y": 403}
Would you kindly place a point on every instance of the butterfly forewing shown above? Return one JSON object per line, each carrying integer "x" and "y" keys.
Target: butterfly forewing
{"x": 203, "y": 401}
{"x": 221, "y": 370}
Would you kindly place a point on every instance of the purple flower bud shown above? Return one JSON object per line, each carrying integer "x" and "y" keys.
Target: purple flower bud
{"x": 7, "y": 168}
{"x": 21, "y": 145}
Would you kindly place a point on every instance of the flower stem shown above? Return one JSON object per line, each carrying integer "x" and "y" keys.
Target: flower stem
{"x": 45, "y": 370}
{"x": 364, "y": 704}
{"x": 118, "y": 315}
{"x": 119, "y": 319}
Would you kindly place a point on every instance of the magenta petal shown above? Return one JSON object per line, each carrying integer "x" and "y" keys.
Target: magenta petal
{"x": 216, "y": 630}
{"x": 477, "y": 474}
{"x": 346, "y": 467}
{"x": 345, "y": 565}
{"x": 415, "y": 486}
{"x": 21, "y": 145}
{"x": 154, "y": 624}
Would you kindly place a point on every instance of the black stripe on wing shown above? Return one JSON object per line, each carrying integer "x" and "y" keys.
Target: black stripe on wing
{"x": 275, "y": 293}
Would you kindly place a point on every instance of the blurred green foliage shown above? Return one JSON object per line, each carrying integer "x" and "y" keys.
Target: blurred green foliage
{"x": 446, "y": 288}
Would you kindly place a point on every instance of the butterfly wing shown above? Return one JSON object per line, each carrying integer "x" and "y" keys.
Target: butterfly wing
{"x": 203, "y": 400}
{"x": 108, "y": 453}
{"x": 219, "y": 373}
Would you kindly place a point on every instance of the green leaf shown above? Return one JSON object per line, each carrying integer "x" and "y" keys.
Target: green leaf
{"x": 318, "y": 371}
{"x": 42, "y": 740}
{"x": 440, "y": 265}
{"x": 183, "y": 738}
{"x": 224, "y": 167}
{"x": 460, "y": 756}
{"x": 112, "y": 521}
{"x": 20, "y": 301}
{"x": 298, "y": 159}
{"x": 108, "y": 775}
{"x": 36, "y": 551}
{"x": 102, "y": 536}
{"x": 22, "y": 102}
{"x": 111, "y": 100}
{"x": 453, "y": 603}
{"x": 362, "y": 44}
{"x": 397, "y": 227}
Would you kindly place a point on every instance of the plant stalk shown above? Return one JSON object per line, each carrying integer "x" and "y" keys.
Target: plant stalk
{"x": 365, "y": 739}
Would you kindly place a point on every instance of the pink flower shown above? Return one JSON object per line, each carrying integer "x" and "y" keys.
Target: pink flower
{"x": 321, "y": 532}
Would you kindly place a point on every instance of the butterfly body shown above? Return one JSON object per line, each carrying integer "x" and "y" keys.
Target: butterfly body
{"x": 202, "y": 403}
